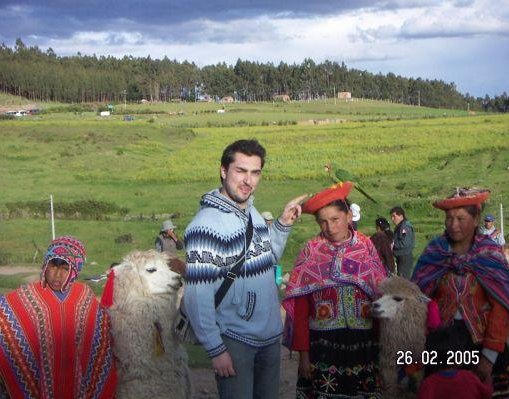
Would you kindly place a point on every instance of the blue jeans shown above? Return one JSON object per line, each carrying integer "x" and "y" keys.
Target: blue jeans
{"x": 256, "y": 369}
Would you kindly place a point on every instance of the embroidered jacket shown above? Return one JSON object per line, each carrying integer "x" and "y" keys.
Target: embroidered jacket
{"x": 249, "y": 312}
{"x": 485, "y": 318}
{"x": 475, "y": 283}
{"x": 330, "y": 288}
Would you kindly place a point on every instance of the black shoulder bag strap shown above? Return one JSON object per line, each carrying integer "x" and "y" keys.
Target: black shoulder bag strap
{"x": 234, "y": 272}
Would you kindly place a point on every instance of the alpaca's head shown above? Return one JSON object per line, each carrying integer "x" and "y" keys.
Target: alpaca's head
{"x": 399, "y": 296}
{"x": 145, "y": 274}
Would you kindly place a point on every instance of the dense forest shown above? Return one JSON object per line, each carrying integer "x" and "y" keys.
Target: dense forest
{"x": 43, "y": 76}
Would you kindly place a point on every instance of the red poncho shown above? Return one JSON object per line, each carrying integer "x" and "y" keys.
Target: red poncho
{"x": 53, "y": 348}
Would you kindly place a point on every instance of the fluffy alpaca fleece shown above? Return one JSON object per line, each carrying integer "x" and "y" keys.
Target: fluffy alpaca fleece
{"x": 402, "y": 311}
{"x": 151, "y": 362}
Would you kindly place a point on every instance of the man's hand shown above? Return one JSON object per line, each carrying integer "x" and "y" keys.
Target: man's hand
{"x": 223, "y": 365}
{"x": 177, "y": 266}
{"x": 292, "y": 210}
{"x": 484, "y": 368}
{"x": 172, "y": 235}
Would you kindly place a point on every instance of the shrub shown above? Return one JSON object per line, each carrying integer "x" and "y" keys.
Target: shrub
{"x": 124, "y": 239}
{"x": 83, "y": 209}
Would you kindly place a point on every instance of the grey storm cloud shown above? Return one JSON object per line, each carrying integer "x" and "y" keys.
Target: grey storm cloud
{"x": 408, "y": 31}
{"x": 170, "y": 19}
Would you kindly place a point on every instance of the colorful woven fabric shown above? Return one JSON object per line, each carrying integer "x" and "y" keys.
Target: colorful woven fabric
{"x": 69, "y": 249}
{"x": 485, "y": 261}
{"x": 53, "y": 348}
{"x": 323, "y": 264}
{"x": 344, "y": 365}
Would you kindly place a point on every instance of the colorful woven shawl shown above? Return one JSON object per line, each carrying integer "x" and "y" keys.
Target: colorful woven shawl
{"x": 485, "y": 261}
{"x": 55, "y": 349}
{"x": 323, "y": 264}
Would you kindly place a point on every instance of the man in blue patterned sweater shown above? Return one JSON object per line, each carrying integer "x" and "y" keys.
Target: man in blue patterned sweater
{"x": 241, "y": 335}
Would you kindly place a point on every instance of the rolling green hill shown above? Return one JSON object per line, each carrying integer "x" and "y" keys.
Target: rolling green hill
{"x": 128, "y": 173}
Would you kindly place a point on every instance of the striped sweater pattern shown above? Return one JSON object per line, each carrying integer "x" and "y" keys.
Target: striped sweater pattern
{"x": 215, "y": 238}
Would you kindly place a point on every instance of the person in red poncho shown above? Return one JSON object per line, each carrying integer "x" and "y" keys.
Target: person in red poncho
{"x": 55, "y": 338}
{"x": 334, "y": 281}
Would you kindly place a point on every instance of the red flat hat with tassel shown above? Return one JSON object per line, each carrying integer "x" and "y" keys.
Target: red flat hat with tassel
{"x": 338, "y": 191}
{"x": 463, "y": 197}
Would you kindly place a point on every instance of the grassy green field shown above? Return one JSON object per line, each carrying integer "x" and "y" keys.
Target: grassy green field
{"x": 162, "y": 162}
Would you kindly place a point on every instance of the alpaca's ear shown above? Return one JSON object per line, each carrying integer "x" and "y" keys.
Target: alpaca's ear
{"x": 122, "y": 268}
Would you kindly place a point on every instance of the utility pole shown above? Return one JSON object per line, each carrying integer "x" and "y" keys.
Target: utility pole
{"x": 334, "y": 94}
{"x": 52, "y": 214}
{"x": 125, "y": 99}
{"x": 418, "y": 98}
{"x": 501, "y": 216}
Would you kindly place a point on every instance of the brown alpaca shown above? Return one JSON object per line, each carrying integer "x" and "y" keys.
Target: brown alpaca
{"x": 402, "y": 311}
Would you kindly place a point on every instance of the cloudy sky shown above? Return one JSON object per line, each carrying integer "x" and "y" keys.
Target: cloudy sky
{"x": 460, "y": 41}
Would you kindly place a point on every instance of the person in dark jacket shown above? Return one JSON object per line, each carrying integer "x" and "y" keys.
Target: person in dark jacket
{"x": 382, "y": 240}
{"x": 404, "y": 242}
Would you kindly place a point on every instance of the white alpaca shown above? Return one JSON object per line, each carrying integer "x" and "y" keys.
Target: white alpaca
{"x": 402, "y": 311}
{"x": 151, "y": 362}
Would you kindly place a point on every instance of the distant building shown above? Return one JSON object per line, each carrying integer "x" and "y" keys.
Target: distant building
{"x": 345, "y": 95}
{"x": 227, "y": 99}
{"x": 281, "y": 97}
{"x": 204, "y": 98}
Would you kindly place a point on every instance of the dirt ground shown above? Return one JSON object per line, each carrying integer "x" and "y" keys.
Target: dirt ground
{"x": 32, "y": 271}
{"x": 204, "y": 384}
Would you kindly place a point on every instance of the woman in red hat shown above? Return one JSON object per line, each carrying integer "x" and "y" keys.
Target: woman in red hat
{"x": 467, "y": 274}
{"x": 334, "y": 281}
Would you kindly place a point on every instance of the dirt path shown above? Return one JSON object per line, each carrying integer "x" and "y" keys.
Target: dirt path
{"x": 32, "y": 272}
{"x": 10, "y": 270}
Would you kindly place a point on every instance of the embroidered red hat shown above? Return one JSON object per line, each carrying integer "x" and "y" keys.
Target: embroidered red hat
{"x": 463, "y": 197}
{"x": 338, "y": 191}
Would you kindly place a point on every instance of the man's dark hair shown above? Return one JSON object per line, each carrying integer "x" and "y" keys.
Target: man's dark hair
{"x": 383, "y": 223}
{"x": 398, "y": 211}
{"x": 246, "y": 147}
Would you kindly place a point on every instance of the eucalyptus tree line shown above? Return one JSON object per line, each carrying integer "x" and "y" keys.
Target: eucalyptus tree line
{"x": 43, "y": 76}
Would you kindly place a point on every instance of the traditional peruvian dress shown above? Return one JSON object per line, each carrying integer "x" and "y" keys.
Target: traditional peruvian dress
{"x": 326, "y": 301}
